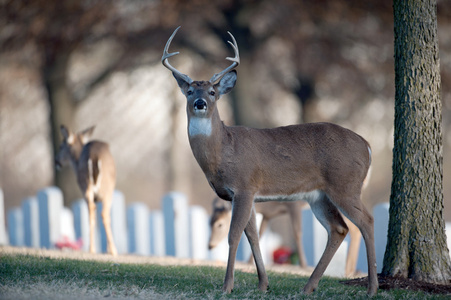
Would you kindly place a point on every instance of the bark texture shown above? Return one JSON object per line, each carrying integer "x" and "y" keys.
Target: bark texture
{"x": 62, "y": 112}
{"x": 416, "y": 246}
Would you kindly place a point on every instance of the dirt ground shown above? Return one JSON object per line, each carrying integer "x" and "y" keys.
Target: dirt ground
{"x": 386, "y": 283}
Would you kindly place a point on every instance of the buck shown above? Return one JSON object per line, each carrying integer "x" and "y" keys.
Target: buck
{"x": 96, "y": 176}
{"x": 321, "y": 163}
{"x": 222, "y": 215}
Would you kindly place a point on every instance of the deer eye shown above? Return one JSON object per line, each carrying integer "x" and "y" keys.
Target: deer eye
{"x": 189, "y": 93}
{"x": 212, "y": 93}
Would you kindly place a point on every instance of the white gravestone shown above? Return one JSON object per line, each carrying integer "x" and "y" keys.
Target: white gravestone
{"x": 30, "y": 211}
{"x": 198, "y": 228}
{"x": 50, "y": 202}
{"x": 138, "y": 229}
{"x": 157, "y": 233}
{"x": 67, "y": 225}
{"x": 81, "y": 222}
{"x": 175, "y": 210}
{"x": 15, "y": 227}
{"x": 3, "y": 233}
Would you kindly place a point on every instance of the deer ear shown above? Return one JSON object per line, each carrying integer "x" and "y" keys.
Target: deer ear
{"x": 226, "y": 83}
{"x": 67, "y": 135}
{"x": 86, "y": 134}
{"x": 181, "y": 82}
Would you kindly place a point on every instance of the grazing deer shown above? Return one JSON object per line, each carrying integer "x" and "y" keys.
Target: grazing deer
{"x": 222, "y": 215}
{"x": 321, "y": 163}
{"x": 96, "y": 176}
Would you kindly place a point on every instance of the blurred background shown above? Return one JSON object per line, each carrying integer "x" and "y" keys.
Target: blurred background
{"x": 88, "y": 62}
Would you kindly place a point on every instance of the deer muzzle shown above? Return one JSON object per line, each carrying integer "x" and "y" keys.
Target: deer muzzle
{"x": 200, "y": 104}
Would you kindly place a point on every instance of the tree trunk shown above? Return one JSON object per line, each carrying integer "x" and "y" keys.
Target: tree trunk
{"x": 416, "y": 246}
{"x": 62, "y": 111}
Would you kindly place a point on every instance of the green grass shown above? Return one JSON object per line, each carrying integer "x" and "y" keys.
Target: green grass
{"x": 35, "y": 277}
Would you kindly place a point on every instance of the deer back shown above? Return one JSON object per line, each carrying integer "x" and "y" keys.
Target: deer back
{"x": 96, "y": 170}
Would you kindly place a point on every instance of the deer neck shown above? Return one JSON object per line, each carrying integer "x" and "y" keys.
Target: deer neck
{"x": 75, "y": 154}
{"x": 205, "y": 137}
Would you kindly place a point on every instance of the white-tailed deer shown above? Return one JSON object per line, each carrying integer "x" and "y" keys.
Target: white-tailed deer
{"x": 96, "y": 176}
{"x": 222, "y": 215}
{"x": 322, "y": 163}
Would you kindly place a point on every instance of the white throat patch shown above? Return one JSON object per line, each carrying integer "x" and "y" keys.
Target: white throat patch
{"x": 199, "y": 126}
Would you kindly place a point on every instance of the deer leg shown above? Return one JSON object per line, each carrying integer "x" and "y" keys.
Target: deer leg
{"x": 329, "y": 216}
{"x": 92, "y": 220}
{"x": 253, "y": 238}
{"x": 263, "y": 226}
{"x": 241, "y": 213}
{"x": 296, "y": 223}
{"x": 106, "y": 217}
{"x": 353, "y": 250}
{"x": 359, "y": 215}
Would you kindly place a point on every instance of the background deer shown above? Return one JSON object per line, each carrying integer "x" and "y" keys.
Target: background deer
{"x": 222, "y": 216}
{"x": 321, "y": 163}
{"x": 96, "y": 176}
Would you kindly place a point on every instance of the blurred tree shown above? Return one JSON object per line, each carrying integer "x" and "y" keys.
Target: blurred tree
{"x": 56, "y": 29}
{"x": 295, "y": 50}
{"x": 416, "y": 245}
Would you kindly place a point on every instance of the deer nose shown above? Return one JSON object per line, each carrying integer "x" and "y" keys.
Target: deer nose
{"x": 200, "y": 104}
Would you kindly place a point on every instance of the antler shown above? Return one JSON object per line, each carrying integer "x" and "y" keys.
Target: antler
{"x": 236, "y": 60}
{"x": 166, "y": 55}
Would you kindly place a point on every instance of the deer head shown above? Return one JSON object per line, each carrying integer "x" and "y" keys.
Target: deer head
{"x": 71, "y": 146}
{"x": 202, "y": 95}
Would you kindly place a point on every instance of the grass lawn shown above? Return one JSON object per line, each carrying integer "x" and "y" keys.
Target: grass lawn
{"x": 40, "y": 277}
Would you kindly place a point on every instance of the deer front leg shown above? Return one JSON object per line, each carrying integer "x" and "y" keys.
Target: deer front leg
{"x": 253, "y": 238}
{"x": 241, "y": 212}
{"x": 329, "y": 216}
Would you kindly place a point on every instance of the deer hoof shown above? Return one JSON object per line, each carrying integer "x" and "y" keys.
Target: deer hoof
{"x": 263, "y": 287}
{"x": 308, "y": 290}
{"x": 227, "y": 288}
{"x": 113, "y": 252}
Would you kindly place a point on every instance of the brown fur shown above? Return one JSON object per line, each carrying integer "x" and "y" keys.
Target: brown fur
{"x": 96, "y": 176}
{"x": 244, "y": 165}
{"x": 222, "y": 215}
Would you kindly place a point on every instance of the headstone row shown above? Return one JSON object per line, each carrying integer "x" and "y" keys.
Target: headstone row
{"x": 177, "y": 230}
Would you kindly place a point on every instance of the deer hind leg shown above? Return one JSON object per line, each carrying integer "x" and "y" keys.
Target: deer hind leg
{"x": 106, "y": 217}
{"x": 263, "y": 226}
{"x": 89, "y": 196}
{"x": 353, "y": 250}
{"x": 253, "y": 238}
{"x": 359, "y": 215}
{"x": 329, "y": 216}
